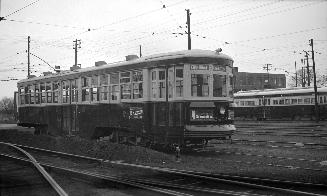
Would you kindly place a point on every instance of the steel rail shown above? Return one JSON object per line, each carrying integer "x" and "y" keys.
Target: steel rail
{"x": 185, "y": 172}
{"x": 130, "y": 182}
{"x": 45, "y": 174}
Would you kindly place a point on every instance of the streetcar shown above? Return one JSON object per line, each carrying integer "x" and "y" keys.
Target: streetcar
{"x": 296, "y": 103}
{"x": 183, "y": 97}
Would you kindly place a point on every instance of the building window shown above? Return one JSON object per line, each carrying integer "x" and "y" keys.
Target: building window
{"x": 200, "y": 85}
{"x": 179, "y": 83}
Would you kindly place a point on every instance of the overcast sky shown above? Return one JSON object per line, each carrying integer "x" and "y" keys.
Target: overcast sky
{"x": 253, "y": 33}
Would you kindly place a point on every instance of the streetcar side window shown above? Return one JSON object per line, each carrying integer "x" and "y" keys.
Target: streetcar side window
{"x": 321, "y": 101}
{"x": 74, "y": 84}
{"x": 325, "y": 99}
{"x": 125, "y": 85}
{"x": 275, "y": 102}
{"x": 294, "y": 101}
{"x": 179, "y": 83}
{"x": 43, "y": 93}
{"x": 299, "y": 101}
{"x": 48, "y": 92}
{"x": 94, "y": 88}
{"x": 137, "y": 84}
{"x": 154, "y": 84}
{"x": 65, "y": 91}
{"x": 104, "y": 89}
{"x": 55, "y": 93}
{"x": 114, "y": 86}
{"x": 162, "y": 83}
{"x": 85, "y": 89}
{"x": 306, "y": 100}
{"x": 22, "y": 95}
{"x": 37, "y": 93}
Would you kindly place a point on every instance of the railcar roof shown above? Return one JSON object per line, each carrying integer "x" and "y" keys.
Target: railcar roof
{"x": 281, "y": 91}
{"x": 195, "y": 53}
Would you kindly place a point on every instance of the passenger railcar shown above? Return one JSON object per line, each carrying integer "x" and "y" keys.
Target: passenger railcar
{"x": 178, "y": 97}
{"x": 280, "y": 104}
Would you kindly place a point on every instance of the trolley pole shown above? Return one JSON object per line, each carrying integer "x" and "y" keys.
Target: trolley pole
{"x": 314, "y": 81}
{"x": 140, "y": 51}
{"x": 188, "y": 29}
{"x": 28, "y": 57}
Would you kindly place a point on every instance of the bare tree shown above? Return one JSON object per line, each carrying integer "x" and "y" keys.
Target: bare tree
{"x": 7, "y": 105}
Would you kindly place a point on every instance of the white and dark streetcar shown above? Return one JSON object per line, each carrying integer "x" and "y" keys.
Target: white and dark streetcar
{"x": 281, "y": 104}
{"x": 178, "y": 97}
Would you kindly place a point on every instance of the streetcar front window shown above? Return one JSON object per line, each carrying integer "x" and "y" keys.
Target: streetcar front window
{"x": 202, "y": 114}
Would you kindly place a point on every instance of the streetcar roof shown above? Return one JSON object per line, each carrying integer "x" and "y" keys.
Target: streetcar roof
{"x": 280, "y": 91}
{"x": 146, "y": 61}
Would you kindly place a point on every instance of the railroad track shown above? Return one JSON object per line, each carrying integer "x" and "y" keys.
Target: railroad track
{"x": 26, "y": 178}
{"x": 283, "y": 144}
{"x": 195, "y": 182}
{"x": 288, "y": 134}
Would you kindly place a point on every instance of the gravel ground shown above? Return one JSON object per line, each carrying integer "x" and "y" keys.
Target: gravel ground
{"x": 217, "y": 160}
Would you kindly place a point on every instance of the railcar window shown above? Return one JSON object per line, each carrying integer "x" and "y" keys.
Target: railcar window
{"x": 65, "y": 92}
{"x": 104, "y": 93}
{"x": 219, "y": 85}
{"x": 202, "y": 114}
{"x": 43, "y": 93}
{"x": 170, "y": 82}
{"x": 55, "y": 87}
{"x": 94, "y": 80}
{"x": 281, "y": 102}
{"x": 275, "y": 102}
{"x": 115, "y": 92}
{"x": 179, "y": 83}
{"x": 325, "y": 99}
{"x": 104, "y": 89}
{"x": 299, "y": 101}
{"x": 86, "y": 94}
{"x": 49, "y": 93}
{"x": 312, "y": 100}
{"x": 22, "y": 95}
{"x": 104, "y": 80}
{"x": 27, "y": 95}
{"x": 114, "y": 78}
{"x": 287, "y": 101}
{"x": 85, "y": 82}
{"x": 294, "y": 101}
{"x": 37, "y": 93}
{"x": 137, "y": 84}
{"x": 154, "y": 84}
{"x": 200, "y": 85}
{"x": 230, "y": 87}
{"x": 162, "y": 84}
{"x": 74, "y": 90}
{"x": 32, "y": 94}
{"x": 306, "y": 100}
{"x": 94, "y": 94}
{"x": 321, "y": 101}
{"x": 125, "y": 77}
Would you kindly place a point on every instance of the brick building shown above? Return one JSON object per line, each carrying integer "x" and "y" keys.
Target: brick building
{"x": 257, "y": 81}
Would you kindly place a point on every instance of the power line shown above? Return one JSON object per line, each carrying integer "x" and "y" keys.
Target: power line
{"x": 21, "y": 8}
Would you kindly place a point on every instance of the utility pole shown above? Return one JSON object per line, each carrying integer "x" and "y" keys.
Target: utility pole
{"x": 77, "y": 45}
{"x": 314, "y": 81}
{"x": 308, "y": 67}
{"x": 28, "y": 57}
{"x": 295, "y": 75}
{"x": 303, "y": 77}
{"x": 140, "y": 51}
{"x": 268, "y": 68}
{"x": 188, "y": 29}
